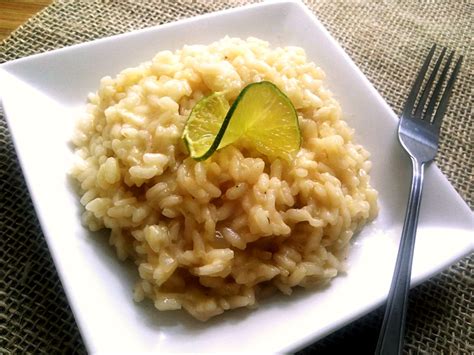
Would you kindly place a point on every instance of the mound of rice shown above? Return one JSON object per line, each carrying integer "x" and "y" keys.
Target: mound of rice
{"x": 216, "y": 235}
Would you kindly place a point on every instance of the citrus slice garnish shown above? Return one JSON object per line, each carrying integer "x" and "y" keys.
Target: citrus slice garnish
{"x": 203, "y": 125}
{"x": 261, "y": 113}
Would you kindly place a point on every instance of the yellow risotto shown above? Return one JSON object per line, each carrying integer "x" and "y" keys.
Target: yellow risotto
{"x": 219, "y": 234}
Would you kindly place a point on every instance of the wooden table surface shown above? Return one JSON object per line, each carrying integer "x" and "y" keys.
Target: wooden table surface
{"x": 13, "y": 13}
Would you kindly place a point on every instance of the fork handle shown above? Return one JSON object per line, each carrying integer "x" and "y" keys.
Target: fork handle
{"x": 391, "y": 335}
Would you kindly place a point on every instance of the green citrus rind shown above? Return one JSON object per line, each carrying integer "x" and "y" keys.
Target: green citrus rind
{"x": 245, "y": 125}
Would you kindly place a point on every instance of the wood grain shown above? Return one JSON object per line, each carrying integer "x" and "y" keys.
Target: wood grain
{"x": 14, "y": 13}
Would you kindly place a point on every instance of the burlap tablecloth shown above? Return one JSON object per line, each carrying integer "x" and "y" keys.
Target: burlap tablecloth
{"x": 387, "y": 39}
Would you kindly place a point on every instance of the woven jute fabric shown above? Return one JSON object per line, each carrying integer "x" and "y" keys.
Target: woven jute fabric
{"x": 387, "y": 39}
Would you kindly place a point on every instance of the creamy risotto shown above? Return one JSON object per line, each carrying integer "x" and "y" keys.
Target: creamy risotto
{"x": 219, "y": 234}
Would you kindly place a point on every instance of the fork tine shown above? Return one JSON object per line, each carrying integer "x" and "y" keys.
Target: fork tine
{"x": 410, "y": 103}
{"x": 429, "y": 84}
{"x": 447, "y": 93}
{"x": 437, "y": 90}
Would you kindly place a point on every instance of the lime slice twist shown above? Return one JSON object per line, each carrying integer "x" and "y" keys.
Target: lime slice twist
{"x": 262, "y": 113}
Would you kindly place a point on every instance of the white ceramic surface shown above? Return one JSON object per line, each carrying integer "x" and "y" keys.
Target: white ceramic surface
{"x": 41, "y": 96}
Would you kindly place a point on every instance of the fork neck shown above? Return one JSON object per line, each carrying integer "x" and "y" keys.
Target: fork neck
{"x": 417, "y": 169}
{"x": 416, "y": 183}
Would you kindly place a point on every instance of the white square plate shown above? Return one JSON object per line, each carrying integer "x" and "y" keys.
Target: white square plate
{"x": 41, "y": 95}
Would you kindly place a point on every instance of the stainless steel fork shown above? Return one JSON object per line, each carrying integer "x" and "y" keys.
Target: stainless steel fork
{"x": 418, "y": 133}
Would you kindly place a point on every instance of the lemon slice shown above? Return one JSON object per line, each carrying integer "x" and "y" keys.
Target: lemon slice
{"x": 261, "y": 113}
